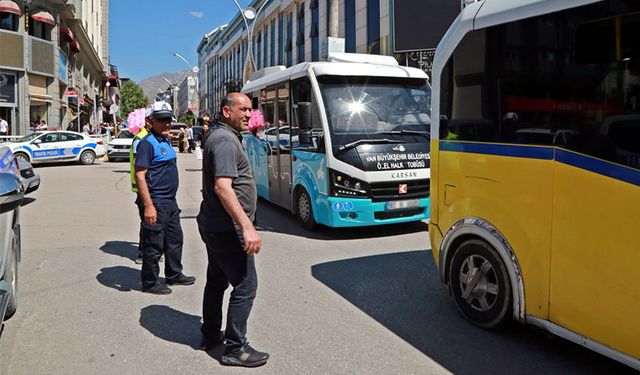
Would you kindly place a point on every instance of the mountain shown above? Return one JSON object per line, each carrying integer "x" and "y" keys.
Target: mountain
{"x": 153, "y": 84}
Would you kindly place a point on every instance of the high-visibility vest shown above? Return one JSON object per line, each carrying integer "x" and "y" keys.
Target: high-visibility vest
{"x": 141, "y": 134}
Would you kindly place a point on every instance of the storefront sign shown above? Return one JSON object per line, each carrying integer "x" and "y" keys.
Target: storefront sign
{"x": 71, "y": 93}
{"x": 7, "y": 88}
{"x": 421, "y": 59}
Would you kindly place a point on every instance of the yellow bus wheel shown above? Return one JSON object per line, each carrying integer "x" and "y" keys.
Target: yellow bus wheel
{"x": 479, "y": 283}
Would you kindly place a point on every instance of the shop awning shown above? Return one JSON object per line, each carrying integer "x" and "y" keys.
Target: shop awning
{"x": 75, "y": 47}
{"x": 39, "y": 99}
{"x": 44, "y": 16}
{"x": 9, "y": 6}
{"x": 67, "y": 34}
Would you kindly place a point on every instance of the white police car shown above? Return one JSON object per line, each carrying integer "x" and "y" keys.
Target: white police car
{"x": 57, "y": 146}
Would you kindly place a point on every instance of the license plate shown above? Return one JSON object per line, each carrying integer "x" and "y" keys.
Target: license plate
{"x": 399, "y": 205}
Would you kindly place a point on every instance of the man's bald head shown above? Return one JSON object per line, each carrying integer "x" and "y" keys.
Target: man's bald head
{"x": 235, "y": 111}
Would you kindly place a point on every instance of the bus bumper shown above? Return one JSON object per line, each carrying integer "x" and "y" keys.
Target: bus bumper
{"x": 347, "y": 212}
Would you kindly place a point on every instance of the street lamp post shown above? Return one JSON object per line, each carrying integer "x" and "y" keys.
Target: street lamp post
{"x": 174, "y": 94}
{"x": 193, "y": 71}
{"x": 249, "y": 14}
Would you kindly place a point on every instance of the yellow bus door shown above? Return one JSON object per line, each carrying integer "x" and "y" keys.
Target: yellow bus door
{"x": 595, "y": 251}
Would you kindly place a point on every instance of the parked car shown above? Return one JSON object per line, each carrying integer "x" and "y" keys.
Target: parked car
{"x": 623, "y": 131}
{"x": 30, "y": 179}
{"x": 118, "y": 148}
{"x": 283, "y": 141}
{"x": 11, "y": 195}
{"x": 175, "y": 129}
{"x": 57, "y": 146}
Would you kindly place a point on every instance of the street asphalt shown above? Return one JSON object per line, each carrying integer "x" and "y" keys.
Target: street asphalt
{"x": 330, "y": 301}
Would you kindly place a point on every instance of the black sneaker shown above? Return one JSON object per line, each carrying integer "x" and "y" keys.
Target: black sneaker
{"x": 157, "y": 289}
{"x": 209, "y": 343}
{"x": 182, "y": 280}
{"x": 245, "y": 356}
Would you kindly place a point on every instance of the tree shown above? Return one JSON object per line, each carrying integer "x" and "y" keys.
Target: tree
{"x": 187, "y": 118}
{"x": 131, "y": 97}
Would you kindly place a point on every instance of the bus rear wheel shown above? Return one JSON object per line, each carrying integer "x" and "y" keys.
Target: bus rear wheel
{"x": 479, "y": 283}
{"x": 304, "y": 210}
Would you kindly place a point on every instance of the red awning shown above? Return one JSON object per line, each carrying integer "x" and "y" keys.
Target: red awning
{"x": 75, "y": 47}
{"x": 9, "y": 6}
{"x": 67, "y": 34}
{"x": 44, "y": 16}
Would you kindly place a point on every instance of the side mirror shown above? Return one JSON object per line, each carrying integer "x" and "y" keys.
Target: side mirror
{"x": 11, "y": 192}
{"x": 304, "y": 115}
{"x": 37, "y": 141}
{"x": 305, "y": 137}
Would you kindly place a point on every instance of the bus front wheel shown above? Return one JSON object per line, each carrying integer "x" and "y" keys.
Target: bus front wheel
{"x": 479, "y": 283}
{"x": 304, "y": 210}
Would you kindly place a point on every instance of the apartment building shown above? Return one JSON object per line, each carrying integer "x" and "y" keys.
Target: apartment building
{"x": 53, "y": 62}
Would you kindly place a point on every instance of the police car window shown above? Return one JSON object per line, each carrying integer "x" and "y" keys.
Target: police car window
{"x": 48, "y": 138}
{"x": 69, "y": 137}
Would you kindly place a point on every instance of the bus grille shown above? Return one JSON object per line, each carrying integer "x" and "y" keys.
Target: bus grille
{"x": 385, "y": 215}
{"x": 390, "y": 190}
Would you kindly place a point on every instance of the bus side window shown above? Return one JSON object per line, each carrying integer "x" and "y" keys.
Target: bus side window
{"x": 301, "y": 92}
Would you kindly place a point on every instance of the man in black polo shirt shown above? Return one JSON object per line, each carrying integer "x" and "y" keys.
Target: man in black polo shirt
{"x": 226, "y": 226}
{"x": 156, "y": 175}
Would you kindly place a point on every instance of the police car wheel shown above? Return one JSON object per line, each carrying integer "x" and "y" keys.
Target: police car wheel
{"x": 21, "y": 156}
{"x": 304, "y": 209}
{"x": 87, "y": 157}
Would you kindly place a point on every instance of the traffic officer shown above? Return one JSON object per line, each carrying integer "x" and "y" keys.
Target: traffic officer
{"x": 134, "y": 187}
{"x": 156, "y": 175}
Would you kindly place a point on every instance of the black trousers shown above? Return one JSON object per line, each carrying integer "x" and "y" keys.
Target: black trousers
{"x": 163, "y": 237}
{"x": 228, "y": 263}
{"x": 140, "y": 206}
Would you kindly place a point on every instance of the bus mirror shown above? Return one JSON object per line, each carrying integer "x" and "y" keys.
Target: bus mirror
{"x": 304, "y": 115}
{"x": 305, "y": 137}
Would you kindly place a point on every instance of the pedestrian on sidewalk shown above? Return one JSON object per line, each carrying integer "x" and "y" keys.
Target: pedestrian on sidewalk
{"x": 225, "y": 222}
{"x": 181, "y": 140}
{"x": 190, "y": 140}
{"x": 157, "y": 179}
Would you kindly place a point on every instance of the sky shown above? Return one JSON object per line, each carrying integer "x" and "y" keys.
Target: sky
{"x": 143, "y": 34}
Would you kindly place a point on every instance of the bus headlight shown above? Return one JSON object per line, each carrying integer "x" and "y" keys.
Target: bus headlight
{"x": 342, "y": 185}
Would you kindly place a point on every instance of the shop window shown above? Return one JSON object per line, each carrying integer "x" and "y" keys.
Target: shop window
{"x": 9, "y": 21}
{"x": 300, "y": 39}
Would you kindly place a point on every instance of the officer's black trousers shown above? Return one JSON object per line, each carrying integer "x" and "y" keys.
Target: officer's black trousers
{"x": 163, "y": 237}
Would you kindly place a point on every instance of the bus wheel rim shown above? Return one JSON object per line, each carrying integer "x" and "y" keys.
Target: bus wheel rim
{"x": 478, "y": 283}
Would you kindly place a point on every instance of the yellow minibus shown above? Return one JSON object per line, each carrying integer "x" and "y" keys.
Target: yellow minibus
{"x": 535, "y": 198}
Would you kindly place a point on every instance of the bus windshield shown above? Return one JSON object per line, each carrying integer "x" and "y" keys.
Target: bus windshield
{"x": 376, "y": 108}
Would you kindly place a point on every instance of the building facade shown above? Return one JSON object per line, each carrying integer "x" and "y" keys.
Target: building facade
{"x": 53, "y": 59}
{"x": 287, "y": 32}
{"x": 187, "y": 96}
